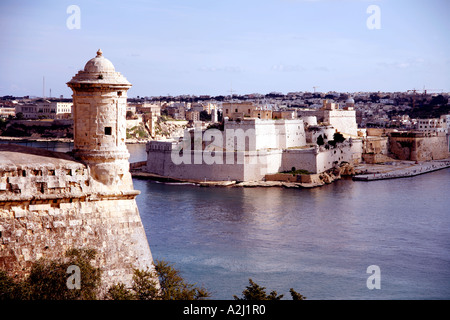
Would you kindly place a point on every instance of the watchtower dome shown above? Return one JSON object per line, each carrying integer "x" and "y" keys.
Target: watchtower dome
{"x": 99, "y": 109}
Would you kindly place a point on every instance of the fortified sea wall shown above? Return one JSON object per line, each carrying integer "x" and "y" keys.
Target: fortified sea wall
{"x": 48, "y": 205}
{"x": 51, "y": 202}
{"x": 418, "y": 146}
{"x": 244, "y": 165}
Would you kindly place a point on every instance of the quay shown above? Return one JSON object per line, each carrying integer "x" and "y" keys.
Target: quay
{"x": 407, "y": 169}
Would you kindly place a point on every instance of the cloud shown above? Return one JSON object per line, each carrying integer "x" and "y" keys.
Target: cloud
{"x": 322, "y": 68}
{"x": 287, "y": 68}
{"x": 233, "y": 69}
{"x": 402, "y": 64}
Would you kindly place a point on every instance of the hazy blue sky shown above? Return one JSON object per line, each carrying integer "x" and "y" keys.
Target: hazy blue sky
{"x": 209, "y": 46}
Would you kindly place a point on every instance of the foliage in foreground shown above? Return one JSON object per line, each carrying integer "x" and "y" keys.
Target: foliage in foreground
{"x": 48, "y": 279}
{"x": 171, "y": 286}
{"x": 255, "y": 292}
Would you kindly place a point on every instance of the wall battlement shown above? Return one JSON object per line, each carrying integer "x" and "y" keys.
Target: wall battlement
{"x": 51, "y": 202}
{"x": 48, "y": 204}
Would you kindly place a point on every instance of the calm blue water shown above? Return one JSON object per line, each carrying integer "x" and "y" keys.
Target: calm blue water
{"x": 318, "y": 241}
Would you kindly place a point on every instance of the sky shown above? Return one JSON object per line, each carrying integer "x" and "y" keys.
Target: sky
{"x": 206, "y": 47}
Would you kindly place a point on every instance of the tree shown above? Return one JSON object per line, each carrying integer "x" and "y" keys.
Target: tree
{"x": 10, "y": 289}
{"x": 171, "y": 286}
{"x": 145, "y": 286}
{"x": 338, "y": 137}
{"x": 129, "y": 114}
{"x": 48, "y": 279}
{"x": 255, "y": 292}
{"x": 204, "y": 116}
{"x": 438, "y": 100}
{"x": 374, "y": 97}
{"x": 295, "y": 295}
{"x": 320, "y": 140}
{"x": 120, "y": 292}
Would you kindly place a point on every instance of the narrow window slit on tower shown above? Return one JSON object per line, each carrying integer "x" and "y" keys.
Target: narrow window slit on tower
{"x": 108, "y": 131}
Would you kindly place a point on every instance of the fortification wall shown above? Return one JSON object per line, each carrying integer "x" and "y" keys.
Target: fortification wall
{"x": 345, "y": 152}
{"x": 227, "y": 166}
{"x": 245, "y": 166}
{"x": 31, "y": 230}
{"x": 318, "y": 160}
{"x": 300, "y": 159}
{"x": 343, "y": 120}
{"x": 49, "y": 203}
{"x": 270, "y": 134}
{"x": 418, "y": 147}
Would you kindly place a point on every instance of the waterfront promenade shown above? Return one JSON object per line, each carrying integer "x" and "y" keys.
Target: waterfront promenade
{"x": 399, "y": 169}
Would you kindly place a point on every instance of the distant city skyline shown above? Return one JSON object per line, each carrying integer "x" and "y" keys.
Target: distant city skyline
{"x": 212, "y": 47}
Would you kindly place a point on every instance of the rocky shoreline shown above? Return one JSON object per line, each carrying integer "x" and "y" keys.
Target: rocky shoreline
{"x": 363, "y": 172}
{"x": 317, "y": 181}
{"x": 246, "y": 184}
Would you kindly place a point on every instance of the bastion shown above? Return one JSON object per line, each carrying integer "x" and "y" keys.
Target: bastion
{"x": 51, "y": 202}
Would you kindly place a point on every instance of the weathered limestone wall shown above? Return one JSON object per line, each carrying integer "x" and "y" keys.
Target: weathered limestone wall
{"x": 246, "y": 166}
{"x": 376, "y": 145}
{"x": 232, "y": 166}
{"x": 271, "y": 134}
{"x": 318, "y": 160}
{"x": 418, "y": 147}
{"x": 312, "y": 133}
{"x": 343, "y": 120}
{"x": 49, "y": 203}
{"x": 99, "y": 109}
{"x": 286, "y": 177}
{"x": 348, "y": 152}
{"x": 96, "y": 111}
{"x": 31, "y": 230}
{"x": 300, "y": 159}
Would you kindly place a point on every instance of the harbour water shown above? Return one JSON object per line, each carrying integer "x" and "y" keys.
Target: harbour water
{"x": 318, "y": 241}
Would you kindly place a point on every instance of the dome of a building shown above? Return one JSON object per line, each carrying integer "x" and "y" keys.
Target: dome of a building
{"x": 99, "y": 64}
{"x": 350, "y": 100}
{"x": 99, "y": 71}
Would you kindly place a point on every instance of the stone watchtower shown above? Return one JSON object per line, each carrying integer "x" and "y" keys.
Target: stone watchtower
{"x": 99, "y": 109}
{"x": 51, "y": 202}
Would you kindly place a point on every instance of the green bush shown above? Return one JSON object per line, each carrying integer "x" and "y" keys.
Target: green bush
{"x": 294, "y": 172}
{"x": 48, "y": 279}
{"x": 255, "y": 292}
{"x": 171, "y": 286}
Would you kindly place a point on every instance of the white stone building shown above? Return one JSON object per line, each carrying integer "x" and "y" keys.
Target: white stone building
{"x": 342, "y": 119}
{"x": 246, "y": 150}
{"x": 5, "y": 112}
{"x": 45, "y": 109}
{"x": 434, "y": 125}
